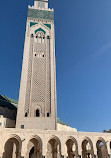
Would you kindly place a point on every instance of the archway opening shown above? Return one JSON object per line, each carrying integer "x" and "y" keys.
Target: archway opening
{"x": 34, "y": 148}
{"x": 37, "y": 113}
{"x": 26, "y": 114}
{"x": 12, "y": 148}
{"x": 101, "y": 149}
{"x": 87, "y": 149}
{"x": 40, "y": 36}
{"x": 72, "y": 148}
{"x": 54, "y": 148}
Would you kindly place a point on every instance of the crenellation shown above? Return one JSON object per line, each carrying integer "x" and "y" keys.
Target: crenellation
{"x": 40, "y": 8}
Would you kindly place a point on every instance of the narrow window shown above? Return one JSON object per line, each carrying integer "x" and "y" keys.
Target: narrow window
{"x": 37, "y": 113}
{"x": 32, "y": 35}
{"x": 48, "y": 37}
{"x": 22, "y": 126}
{"x": 26, "y": 114}
{"x": 48, "y": 114}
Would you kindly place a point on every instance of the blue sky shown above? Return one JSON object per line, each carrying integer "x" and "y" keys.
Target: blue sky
{"x": 83, "y": 57}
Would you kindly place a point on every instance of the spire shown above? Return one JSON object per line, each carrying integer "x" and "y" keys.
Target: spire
{"x": 41, "y": 4}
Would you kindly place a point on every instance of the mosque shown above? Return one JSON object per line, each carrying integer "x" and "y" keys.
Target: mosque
{"x": 30, "y": 128}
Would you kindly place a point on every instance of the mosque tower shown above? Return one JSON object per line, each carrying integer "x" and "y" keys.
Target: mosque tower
{"x": 37, "y": 107}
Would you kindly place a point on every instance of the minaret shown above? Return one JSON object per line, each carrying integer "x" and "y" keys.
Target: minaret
{"x": 37, "y": 107}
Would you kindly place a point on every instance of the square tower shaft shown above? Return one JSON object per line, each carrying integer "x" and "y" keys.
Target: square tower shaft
{"x": 37, "y": 106}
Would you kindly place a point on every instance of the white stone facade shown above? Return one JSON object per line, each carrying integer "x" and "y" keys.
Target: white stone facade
{"x": 37, "y": 97}
{"x": 7, "y": 117}
{"x": 6, "y": 122}
{"x": 61, "y": 127}
{"x": 21, "y": 138}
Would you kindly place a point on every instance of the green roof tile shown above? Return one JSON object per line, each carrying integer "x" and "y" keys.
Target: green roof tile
{"x": 61, "y": 122}
{"x": 40, "y": 29}
{"x": 8, "y": 102}
{"x": 48, "y": 25}
{"x": 32, "y": 23}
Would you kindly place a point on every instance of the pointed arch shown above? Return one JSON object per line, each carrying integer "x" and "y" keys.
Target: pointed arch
{"x": 12, "y": 147}
{"x": 101, "y": 146}
{"x": 40, "y": 26}
{"x": 87, "y": 148}
{"x": 72, "y": 147}
{"x": 34, "y": 147}
{"x": 53, "y": 147}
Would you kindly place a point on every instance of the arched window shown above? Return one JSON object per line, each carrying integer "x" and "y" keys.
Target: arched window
{"x": 48, "y": 37}
{"x": 32, "y": 35}
{"x": 26, "y": 114}
{"x": 48, "y": 115}
{"x": 40, "y": 37}
{"x": 37, "y": 113}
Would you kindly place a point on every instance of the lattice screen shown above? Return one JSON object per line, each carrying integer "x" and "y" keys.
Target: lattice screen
{"x": 27, "y": 100}
{"x": 48, "y": 78}
{"x": 39, "y": 77}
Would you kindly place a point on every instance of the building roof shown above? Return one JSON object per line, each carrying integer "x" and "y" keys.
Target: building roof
{"x": 61, "y": 122}
{"x": 8, "y": 102}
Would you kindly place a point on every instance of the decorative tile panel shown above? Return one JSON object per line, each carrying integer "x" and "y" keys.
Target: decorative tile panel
{"x": 41, "y": 14}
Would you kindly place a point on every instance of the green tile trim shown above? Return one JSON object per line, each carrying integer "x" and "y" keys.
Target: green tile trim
{"x": 61, "y": 122}
{"x": 40, "y": 14}
{"x": 48, "y": 25}
{"x": 40, "y": 29}
{"x": 32, "y": 23}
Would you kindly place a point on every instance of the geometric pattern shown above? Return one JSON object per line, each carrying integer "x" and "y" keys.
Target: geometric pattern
{"x": 40, "y": 14}
{"x": 39, "y": 77}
